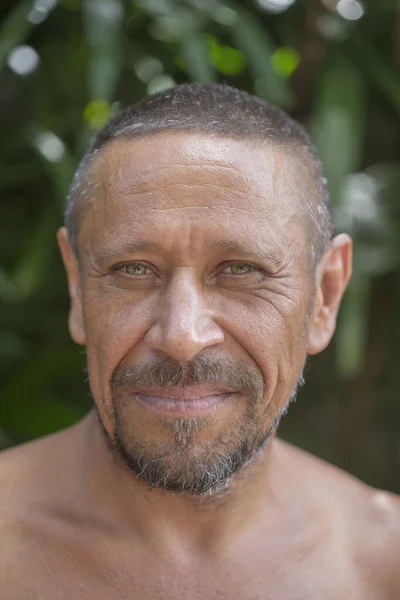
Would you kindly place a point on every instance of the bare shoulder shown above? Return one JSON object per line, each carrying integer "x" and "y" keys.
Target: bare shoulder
{"x": 376, "y": 526}
{"x": 35, "y": 469}
{"x": 367, "y": 520}
{"x": 37, "y": 476}
{"x": 33, "y": 476}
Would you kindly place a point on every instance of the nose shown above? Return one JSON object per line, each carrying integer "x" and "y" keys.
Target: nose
{"x": 183, "y": 327}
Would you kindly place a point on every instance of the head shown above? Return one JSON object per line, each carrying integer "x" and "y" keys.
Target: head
{"x": 202, "y": 273}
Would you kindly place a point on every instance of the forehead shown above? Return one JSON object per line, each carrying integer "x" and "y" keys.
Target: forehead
{"x": 172, "y": 182}
{"x": 140, "y": 165}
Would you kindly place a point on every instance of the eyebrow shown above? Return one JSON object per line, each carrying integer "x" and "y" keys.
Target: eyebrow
{"x": 233, "y": 247}
{"x": 107, "y": 253}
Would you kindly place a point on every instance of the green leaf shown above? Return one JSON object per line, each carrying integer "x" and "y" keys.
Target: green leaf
{"x": 378, "y": 70}
{"x": 257, "y": 46}
{"x": 97, "y": 113}
{"x": 194, "y": 52}
{"x": 103, "y": 20}
{"x": 338, "y": 123}
{"x": 57, "y": 160}
{"x": 8, "y": 290}
{"x": 33, "y": 266}
{"x": 351, "y": 336}
{"x": 285, "y": 61}
{"x": 226, "y": 59}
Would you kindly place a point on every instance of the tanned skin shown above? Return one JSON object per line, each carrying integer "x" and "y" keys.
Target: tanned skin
{"x": 185, "y": 211}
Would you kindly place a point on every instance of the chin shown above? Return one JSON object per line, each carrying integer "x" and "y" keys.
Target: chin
{"x": 186, "y": 463}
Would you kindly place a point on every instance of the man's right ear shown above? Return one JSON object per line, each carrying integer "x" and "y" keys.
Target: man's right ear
{"x": 75, "y": 320}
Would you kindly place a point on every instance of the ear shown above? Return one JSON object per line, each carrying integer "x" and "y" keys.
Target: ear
{"x": 75, "y": 321}
{"x": 333, "y": 274}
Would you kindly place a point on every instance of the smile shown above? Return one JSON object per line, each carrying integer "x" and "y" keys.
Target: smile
{"x": 179, "y": 405}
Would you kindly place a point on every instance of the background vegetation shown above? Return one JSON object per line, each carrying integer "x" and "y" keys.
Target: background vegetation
{"x": 66, "y": 66}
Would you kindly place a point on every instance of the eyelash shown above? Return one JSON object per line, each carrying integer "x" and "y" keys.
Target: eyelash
{"x": 252, "y": 269}
{"x": 134, "y": 264}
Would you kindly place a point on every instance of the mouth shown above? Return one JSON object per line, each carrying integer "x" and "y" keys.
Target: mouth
{"x": 184, "y": 402}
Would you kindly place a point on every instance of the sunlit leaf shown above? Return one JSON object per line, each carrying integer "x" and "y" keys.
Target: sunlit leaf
{"x": 285, "y": 61}
{"x": 227, "y": 60}
{"x": 97, "y": 113}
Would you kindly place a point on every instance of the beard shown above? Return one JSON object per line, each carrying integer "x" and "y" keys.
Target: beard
{"x": 185, "y": 463}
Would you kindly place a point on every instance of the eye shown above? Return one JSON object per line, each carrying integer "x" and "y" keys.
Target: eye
{"x": 136, "y": 269}
{"x": 239, "y": 268}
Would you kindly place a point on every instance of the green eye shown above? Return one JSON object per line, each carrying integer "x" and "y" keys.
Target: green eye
{"x": 239, "y": 269}
{"x": 135, "y": 269}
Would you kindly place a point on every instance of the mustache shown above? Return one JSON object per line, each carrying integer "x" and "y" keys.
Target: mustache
{"x": 214, "y": 371}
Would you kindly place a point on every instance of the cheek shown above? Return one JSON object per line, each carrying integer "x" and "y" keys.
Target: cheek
{"x": 114, "y": 326}
{"x": 272, "y": 332}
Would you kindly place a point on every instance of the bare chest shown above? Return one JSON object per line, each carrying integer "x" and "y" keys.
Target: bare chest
{"x": 68, "y": 573}
{"x": 171, "y": 589}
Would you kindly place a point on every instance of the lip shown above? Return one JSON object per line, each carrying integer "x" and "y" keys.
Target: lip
{"x": 184, "y": 402}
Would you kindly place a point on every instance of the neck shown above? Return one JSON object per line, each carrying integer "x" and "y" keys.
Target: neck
{"x": 113, "y": 495}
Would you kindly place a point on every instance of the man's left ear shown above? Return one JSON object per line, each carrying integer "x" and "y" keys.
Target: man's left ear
{"x": 333, "y": 274}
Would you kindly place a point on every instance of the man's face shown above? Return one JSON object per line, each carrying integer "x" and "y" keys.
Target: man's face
{"x": 194, "y": 296}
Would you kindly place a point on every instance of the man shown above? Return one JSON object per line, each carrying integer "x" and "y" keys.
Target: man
{"x": 202, "y": 272}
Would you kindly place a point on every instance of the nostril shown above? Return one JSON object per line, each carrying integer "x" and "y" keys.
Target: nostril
{"x": 183, "y": 343}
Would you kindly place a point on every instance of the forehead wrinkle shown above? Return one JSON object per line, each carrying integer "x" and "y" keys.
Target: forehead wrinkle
{"x": 136, "y": 184}
{"x": 220, "y": 166}
{"x": 210, "y": 170}
{"x": 221, "y": 194}
{"x": 168, "y": 185}
{"x": 213, "y": 207}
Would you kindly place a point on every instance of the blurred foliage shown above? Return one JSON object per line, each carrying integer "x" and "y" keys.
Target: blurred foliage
{"x": 66, "y": 66}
